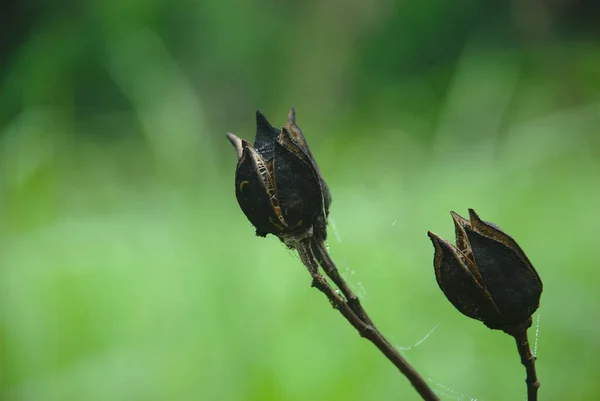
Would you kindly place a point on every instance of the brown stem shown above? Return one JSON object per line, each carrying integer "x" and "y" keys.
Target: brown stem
{"x": 363, "y": 325}
{"x": 528, "y": 360}
{"x": 332, "y": 271}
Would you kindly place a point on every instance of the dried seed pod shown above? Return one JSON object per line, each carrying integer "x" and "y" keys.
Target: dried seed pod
{"x": 486, "y": 276}
{"x": 278, "y": 184}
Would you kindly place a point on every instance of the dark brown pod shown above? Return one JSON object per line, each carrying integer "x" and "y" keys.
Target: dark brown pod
{"x": 278, "y": 184}
{"x": 486, "y": 276}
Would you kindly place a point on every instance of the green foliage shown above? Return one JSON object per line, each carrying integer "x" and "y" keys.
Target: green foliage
{"x": 128, "y": 272}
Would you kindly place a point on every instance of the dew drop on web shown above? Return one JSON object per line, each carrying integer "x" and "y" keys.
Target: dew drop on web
{"x": 537, "y": 334}
{"x": 361, "y": 290}
{"x": 335, "y": 231}
{"x": 448, "y": 393}
{"x": 421, "y": 341}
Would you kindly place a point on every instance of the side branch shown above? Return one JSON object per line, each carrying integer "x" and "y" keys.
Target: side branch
{"x": 332, "y": 272}
{"x": 354, "y": 313}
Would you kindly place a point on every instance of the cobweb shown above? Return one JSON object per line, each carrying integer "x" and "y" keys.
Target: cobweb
{"x": 537, "y": 334}
{"x": 359, "y": 287}
{"x": 335, "y": 231}
{"x": 409, "y": 347}
{"x": 348, "y": 272}
{"x": 442, "y": 390}
{"x": 449, "y": 393}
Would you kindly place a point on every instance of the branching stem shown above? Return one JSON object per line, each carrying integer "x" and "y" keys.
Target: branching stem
{"x": 347, "y": 303}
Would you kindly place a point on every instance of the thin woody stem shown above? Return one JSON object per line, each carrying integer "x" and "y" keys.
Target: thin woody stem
{"x": 332, "y": 271}
{"x": 528, "y": 360}
{"x": 306, "y": 249}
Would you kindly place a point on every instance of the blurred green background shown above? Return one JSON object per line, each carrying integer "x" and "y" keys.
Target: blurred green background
{"x": 128, "y": 271}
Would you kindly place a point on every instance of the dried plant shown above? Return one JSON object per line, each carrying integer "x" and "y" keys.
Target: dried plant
{"x": 486, "y": 276}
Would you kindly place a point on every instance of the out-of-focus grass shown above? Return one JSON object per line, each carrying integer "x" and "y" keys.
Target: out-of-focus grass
{"x": 128, "y": 272}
